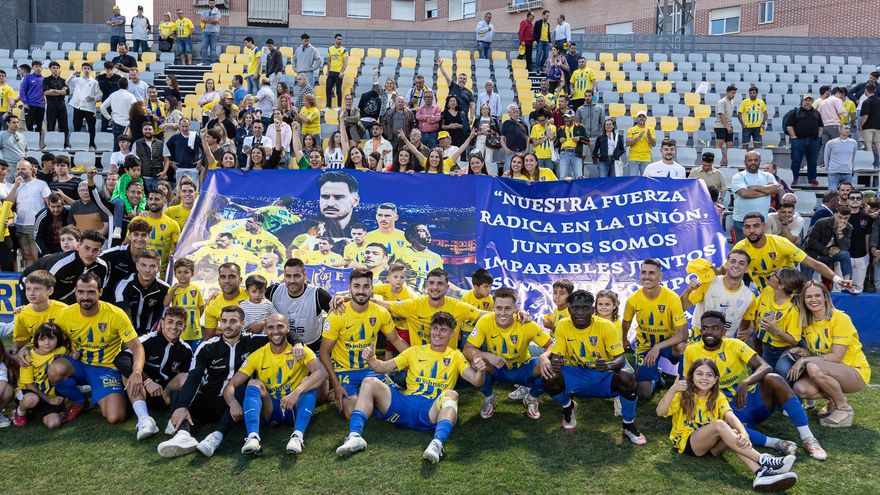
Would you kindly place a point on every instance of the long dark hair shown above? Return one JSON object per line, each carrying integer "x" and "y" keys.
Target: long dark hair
{"x": 413, "y": 164}
{"x": 688, "y": 397}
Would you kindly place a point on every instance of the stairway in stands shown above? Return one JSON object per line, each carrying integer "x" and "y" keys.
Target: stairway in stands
{"x": 187, "y": 77}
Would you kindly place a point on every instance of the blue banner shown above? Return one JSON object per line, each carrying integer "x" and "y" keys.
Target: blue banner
{"x": 594, "y": 232}
{"x": 9, "y": 295}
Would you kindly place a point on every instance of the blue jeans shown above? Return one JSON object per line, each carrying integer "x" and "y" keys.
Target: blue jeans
{"x": 804, "y": 148}
{"x": 253, "y": 84}
{"x": 117, "y": 131}
{"x": 485, "y": 49}
{"x": 545, "y": 163}
{"x": 738, "y": 233}
{"x": 541, "y": 55}
{"x": 636, "y": 169}
{"x": 140, "y": 46}
{"x": 772, "y": 354}
{"x": 841, "y": 257}
{"x": 209, "y": 48}
{"x": 570, "y": 165}
{"x": 118, "y": 212}
{"x": 835, "y": 179}
{"x": 115, "y": 41}
{"x": 606, "y": 169}
{"x": 184, "y": 45}
{"x": 429, "y": 139}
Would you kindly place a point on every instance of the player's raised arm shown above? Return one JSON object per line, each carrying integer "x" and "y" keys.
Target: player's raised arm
{"x": 378, "y": 365}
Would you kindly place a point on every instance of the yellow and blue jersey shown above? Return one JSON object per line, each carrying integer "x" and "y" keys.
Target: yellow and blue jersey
{"x": 280, "y": 373}
{"x": 683, "y": 426}
{"x": 420, "y": 263}
{"x": 37, "y": 373}
{"x": 430, "y": 373}
{"x": 99, "y": 338}
{"x": 418, "y": 313}
{"x": 27, "y": 320}
{"x": 732, "y": 359}
{"x": 190, "y": 299}
{"x": 511, "y": 343}
{"x": 781, "y": 313}
{"x": 582, "y": 347}
{"x": 354, "y": 332}
{"x": 395, "y": 243}
{"x": 656, "y": 318}
{"x": 776, "y": 253}
{"x": 838, "y": 329}
{"x": 163, "y": 237}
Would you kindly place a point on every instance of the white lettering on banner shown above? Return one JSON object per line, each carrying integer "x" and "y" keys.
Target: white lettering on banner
{"x": 586, "y": 203}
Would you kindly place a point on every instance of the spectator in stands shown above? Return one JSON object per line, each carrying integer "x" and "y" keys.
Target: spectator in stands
{"x": 85, "y": 214}
{"x": 256, "y": 138}
{"x": 183, "y": 150}
{"x": 777, "y": 199}
{"x": 7, "y": 98}
{"x": 857, "y": 90}
{"x": 252, "y": 70}
{"x": 491, "y": 98}
{"x": 135, "y": 86}
{"x": 300, "y": 90}
{"x": 238, "y": 91}
{"x": 485, "y": 35}
{"x": 831, "y": 110}
{"x": 542, "y": 38}
{"x": 13, "y": 144}
{"x": 33, "y": 101}
{"x": 869, "y": 121}
{"x": 561, "y": 34}
{"x": 306, "y": 60}
{"x": 124, "y": 62}
{"x": 572, "y": 57}
{"x": 488, "y": 139}
{"x": 399, "y": 118}
{"x": 378, "y": 144}
{"x": 55, "y": 90}
{"x": 108, "y": 82}
{"x": 117, "y": 157}
{"x": 753, "y": 118}
{"x": 351, "y": 118}
{"x": 274, "y": 65}
{"x": 830, "y": 202}
{"x": 514, "y": 134}
{"x": 466, "y": 101}
{"x": 416, "y": 97}
{"x": 639, "y": 140}
{"x": 571, "y": 142}
{"x": 337, "y": 61}
{"x": 526, "y": 39}
{"x": 64, "y": 184}
{"x": 590, "y": 114}
{"x": 840, "y": 155}
{"x": 455, "y": 121}
{"x": 862, "y": 225}
{"x": 557, "y": 69}
{"x": 707, "y": 172}
{"x": 210, "y": 21}
{"x": 117, "y": 27}
{"x": 174, "y": 114}
{"x": 167, "y": 30}
{"x": 804, "y": 126}
{"x": 608, "y": 148}
{"x": 786, "y": 222}
{"x": 752, "y": 189}
{"x": 85, "y": 94}
{"x": 154, "y": 156}
{"x": 542, "y": 137}
{"x": 137, "y": 116}
{"x": 828, "y": 241}
{"x": 48, "y": 223}
{"x": 140, "y": 31}
{"x": 538, "y": 107}
{"x": 724, "y": 123}
{"x": 47, "y": 168}
{"x": 183, "y": 38}
{"x": 428, "y": 118}
{"x": 156, "y": 109}
{"x": 29, "y": 195}
{"x": 666, "y": 166}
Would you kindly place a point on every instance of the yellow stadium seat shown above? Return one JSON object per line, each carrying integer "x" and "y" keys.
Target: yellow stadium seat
{"x": 356, "y": 52}
{"x": 635, "y": 108}
{"x": 664, "y": 87}
{"x": 65, "y": 73}
{"x": 374, "y": 52}
{"x": 644, "y": 86}
{"x": 288, "y": 70}
{"x": 226, "y": 79}
{"x": 617, "y": 76}
{"x": 94, "y": 56}
{"x": 408, "y": 62}
{"x": 692, "y": 99}
{"x": 600, "y": 75}
{"x": 241, "y": 58}
{"x": 702, "y": 111}
{"x": 75, "y": 55}
{"x": 210, "y": 75}
{"x": 691, "y": 124}
{"x": 148, "y": 57}
{"x": 651, "y": 123}
{"x": 624, "y": 57}
{"x": 218, "y": 67}
{"x": 624, "y": 87}
{"x": 235, "y": 69}
{"x": 668, "y": 124}
{"x": 642, "y": 57}
{"x": 232, "y": 50}
{"x": 612, "y": 66}
{"x": 286, "y": 51}
{"x": 142, "y": 66}
{"x": 499, "y": 55}
{"x": 594, "y": 65}
{"x": 392, "y": 52}
{"x": 104, "y": 47}
{"x": 616, "y": 109}
{"x": 200, "y": 90}
{"x": 331, "y": 117}
{"x": 227, "y": 58}
{"x": 666, "y": 67}
{"x": 191, "y": 100}
{"x": 518, "y": 64}
{"x": 606, "y": 57}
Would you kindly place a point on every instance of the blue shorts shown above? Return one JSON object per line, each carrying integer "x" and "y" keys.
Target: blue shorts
{"x": 184, "y": 45}
{"x": 282, "y": 416}
{"x": 409, "y": 411}
{"x": 351, "y": 380}
{"x": 587, "y": 382}
{"x": 751, "y": 133}
{"x": 103, "y": 380}
{"x": 522, "y": 375}
{"x": 755, "y": 412}
{"x": 646, "y": 373}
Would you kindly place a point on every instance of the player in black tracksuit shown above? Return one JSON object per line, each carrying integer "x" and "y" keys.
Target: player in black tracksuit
{"x": 164, "y": 360}
{"x": 68, "y": 267}
{"x": 142, "y": 303}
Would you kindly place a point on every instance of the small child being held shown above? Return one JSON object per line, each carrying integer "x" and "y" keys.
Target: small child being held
{"x": 257, "y": 308}
{"x": 38, "y": 397}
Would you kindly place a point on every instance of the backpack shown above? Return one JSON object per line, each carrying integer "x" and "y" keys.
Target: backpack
{"x": 794, "y": 113}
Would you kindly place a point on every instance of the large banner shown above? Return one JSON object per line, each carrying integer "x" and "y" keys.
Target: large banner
{"x": 594, "y": 232}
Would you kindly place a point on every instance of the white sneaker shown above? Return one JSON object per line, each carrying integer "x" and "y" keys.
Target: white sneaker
{"x": 170, "y": 430}
{"x": 532, "y": 410}
{"x": 146, "y": 427}
{"x": 4, "y": 421}
{"x": 180, "y": 444}
{"x": 778, "y": 464}
{"x": 488, "y": 407}
{"x": 295, "y": 444}
{"x": 768, "y": 480}
{"x": 251, "y": 444}
{"x": 353, "y": 443}
{"x": 210, "y": 444}
{"x": 519, "y": 393}
{"x": 434, "y": 452}
{"x": 618, "y": 411}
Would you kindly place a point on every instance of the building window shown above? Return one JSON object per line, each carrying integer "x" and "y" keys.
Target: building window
{"x": 359, "y": 9}
{"x": 766, "y": 12}
{"x": 724, "y": 21}
{"x": 619, "y": 28}
{"x": 432, "y": 10}
{"x": 462, "y": 9}
{"x": 314, "y": 7}
{"x": 403, "y": 10}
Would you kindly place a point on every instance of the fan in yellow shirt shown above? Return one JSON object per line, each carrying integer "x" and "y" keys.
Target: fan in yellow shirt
{"x": 774, "y": 310}
{"x": 639, "y": 140}
{"x": 38, "y": 285}
{"x": 7, "y": 95}
{"x": 562, "y": 288}
{"x": 231, "y": 293}
{"x": 542, "y": 135}
{"x": 37, "y": 394}
{"x": 582, "y": 80}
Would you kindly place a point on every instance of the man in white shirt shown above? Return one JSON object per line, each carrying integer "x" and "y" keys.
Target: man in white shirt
{"x": 485, "y": 35}
{"x": 831, "y": 110}
{"x": 140, "y": 29}
{"x": 28, "y": 194}
{"x": 724, "y": 123}
{"x": 120, "y": 103}
{"x": 379, "y": 144}
{"x": 492, "y": 98}
{"x": 13, "y": 144}
{"x": 752, "y": 189}
{"x": 561, "y": 33}
{"x": 135, "y": 86}
{"x": 667, "y": 167}
{"x": 258, "y": 139}
{"x": 86, "y": 93}
{"x": 786, "y": 222}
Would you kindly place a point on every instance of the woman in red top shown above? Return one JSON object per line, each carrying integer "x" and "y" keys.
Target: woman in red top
{"x": 526, "y": 36}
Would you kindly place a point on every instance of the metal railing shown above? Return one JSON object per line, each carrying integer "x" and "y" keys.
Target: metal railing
{"x": 514, "y": 6}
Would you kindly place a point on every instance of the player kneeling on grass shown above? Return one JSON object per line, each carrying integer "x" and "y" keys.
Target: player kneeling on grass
{"x": 38, "y": 397}
{"x": 587, "y": 361}
{"x": 280, "y": 389}
{"x": 506, "y": 342}
{"x": 429, "y": 402}
{"x": 166, "y": 360}
{"x": 703, "y": 423}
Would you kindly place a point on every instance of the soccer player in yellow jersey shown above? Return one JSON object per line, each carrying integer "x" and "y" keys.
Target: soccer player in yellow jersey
{"x": 833, "y": 363}
{"x": 480, "y": 296}
{"x": 180, "y": 212}
{"x": 323, "y": 256}
{"x": 502, "y": 342}
{"x": 429, "y": 402}
{"x": 231, "y": 293}
{"x": 38, "y": 287}
{"x": 280, "y": 389}
{"x": 97, "y": 332}
{"x": 703, "y": 423}
{"x": 353, "y": 253}
{"x": 189, "y": 297}
{"x": 256, "y": 240}
{"x": 224, "y": 250}
{"x": 38, "y": 395}
{"x": 346, "y": 335}
{"x": 748, "y": 382}
{"x": 419, "y": 258}
{"x": 587, "y": 360}
{"x": 661, "y": 326}
{"x": 387, "y": 234}
{"x": 770, "y": 252}
{"x": 165, "y": 232}
{"x": 582, "y": 80}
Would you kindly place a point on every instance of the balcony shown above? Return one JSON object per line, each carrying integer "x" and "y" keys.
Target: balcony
{"x": 522, "y": 6}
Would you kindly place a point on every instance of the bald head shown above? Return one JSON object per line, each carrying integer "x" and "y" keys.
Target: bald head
{"x": 753, "y": 161}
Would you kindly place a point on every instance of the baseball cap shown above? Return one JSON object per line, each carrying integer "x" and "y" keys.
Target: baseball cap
{"x": 641, "y": 113}
{"x": 442, "y": 134}
{"x": 568, "y": 114}
{"x": 807, "y": 95}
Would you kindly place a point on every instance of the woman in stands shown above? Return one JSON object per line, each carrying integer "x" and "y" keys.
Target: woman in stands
{"x": 833, "y": 363}
{"x": 334, "y": 155}
{"x": 174, "y": 114}
{"x": 172, "y": 87}
{"x": 532, "y": 171}
{"x": 137, "y": 115}
{"x": 210, "y": 94}
{"x": 350, "y": 120}
{"x": 434, "y": 163}
{"x": 404, "y": 162}
{"x": 245, "y": 129}
{"x": 488, "y": 135}
{"x": 609, "y": 148}
{"x": 453, "y": 121}
{"x": 515, "y": 170}
{"x": 388, "y": 92}
{"x": 556, "y": 68}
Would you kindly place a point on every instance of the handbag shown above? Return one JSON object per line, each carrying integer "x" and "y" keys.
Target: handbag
{"x": 493, "y": 141}
{"x": 165, "y": 44}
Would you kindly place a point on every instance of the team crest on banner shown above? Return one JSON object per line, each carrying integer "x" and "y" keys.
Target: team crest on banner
{"x": 332, "y": 280}
{"x": 594, "y": 340}
{"x": 661, "y": 307}
{"x": 447, "y": 361}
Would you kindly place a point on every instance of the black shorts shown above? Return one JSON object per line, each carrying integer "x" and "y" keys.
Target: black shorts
{"x": 207, "y": 409}
{"x": 43, "y": 408}
{"x": 688, "y": 449}
{"x": 722, "y": 134}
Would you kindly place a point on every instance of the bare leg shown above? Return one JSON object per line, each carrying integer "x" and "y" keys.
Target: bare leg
{"x": 706, "y": 440}
{"x": 373, "y": 393}
{"x": 834, "y": 380}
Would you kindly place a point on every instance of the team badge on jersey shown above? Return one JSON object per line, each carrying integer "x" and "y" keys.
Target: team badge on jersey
{"x": 722, "y": 357}
{"x": 447, "y": 361}
{"x": 514, "y": 338}
{"x": 102, "y": 327}
{"x": 661, "y": 307}
{"x": 594, "y": 340}
{"x": 162, "y": 226}
{"x": 373, "y": 321}
{"x": 772, "y": 255}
